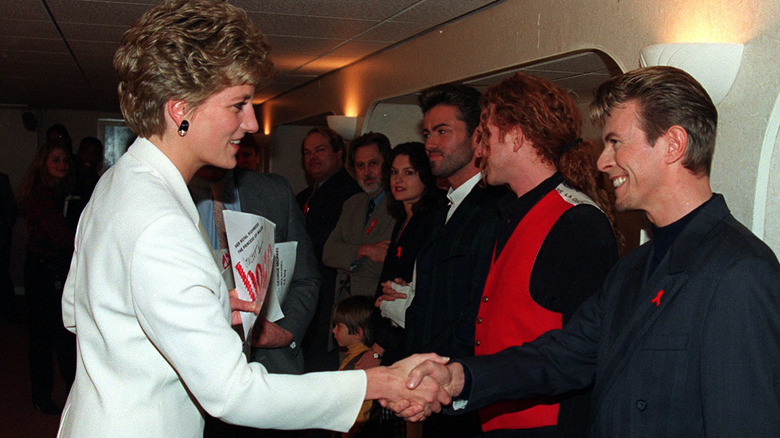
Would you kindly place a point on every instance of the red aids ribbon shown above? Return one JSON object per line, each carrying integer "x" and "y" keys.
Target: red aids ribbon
{"x": 371, "y": 227}
{"x": 657, "y": 299}
{"x": 398, "y": 255}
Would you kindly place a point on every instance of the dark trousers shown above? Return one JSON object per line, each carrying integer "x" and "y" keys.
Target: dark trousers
{"x": 43, "y": 289}
{"x": 7, "y": 294}
{"x": 452, "y": 426}
{"x": 317, "y": 356}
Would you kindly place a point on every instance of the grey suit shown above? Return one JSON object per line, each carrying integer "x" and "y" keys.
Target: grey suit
{"x": 351, "y": 232}
{"x": 270, "y": 196}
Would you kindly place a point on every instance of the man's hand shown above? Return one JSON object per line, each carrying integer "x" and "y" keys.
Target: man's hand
{"x": 237, "y": 305}
{"x": 390, "y": 294}
{"x": 375, "y": 252}
{"x": 450, "y": 376}
{"x": 266, "y": 334}
{"x": 389, "y": 386}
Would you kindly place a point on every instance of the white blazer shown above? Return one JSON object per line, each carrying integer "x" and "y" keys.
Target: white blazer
{"x": 152, "y": 319}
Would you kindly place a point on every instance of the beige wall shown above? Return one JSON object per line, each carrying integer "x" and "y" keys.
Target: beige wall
{"x": 286, "y": 154}
{"x": 517, "y": 32}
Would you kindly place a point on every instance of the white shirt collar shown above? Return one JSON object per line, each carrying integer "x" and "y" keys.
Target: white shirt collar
{"x": 457, "y": 196}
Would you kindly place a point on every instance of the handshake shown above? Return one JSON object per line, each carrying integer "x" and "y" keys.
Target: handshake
{"x": 415, "y": 387}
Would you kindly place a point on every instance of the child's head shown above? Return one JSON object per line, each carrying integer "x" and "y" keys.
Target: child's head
{"x": 352, "y": 320}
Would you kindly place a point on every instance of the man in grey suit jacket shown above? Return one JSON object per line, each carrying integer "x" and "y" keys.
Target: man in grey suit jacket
{"x": 358, "y": 244}
{"x": 683, "y": 338}
{"x": 277, "y": 345}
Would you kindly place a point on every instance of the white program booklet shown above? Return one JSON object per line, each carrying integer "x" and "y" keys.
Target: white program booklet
{"x": 251, "y": 246}
{"x": 285, "y": 254}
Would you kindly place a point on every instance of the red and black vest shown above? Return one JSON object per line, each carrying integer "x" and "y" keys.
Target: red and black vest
{"x": 508, "y": 316}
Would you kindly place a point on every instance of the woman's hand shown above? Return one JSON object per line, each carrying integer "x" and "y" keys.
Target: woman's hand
{"x": 237, "y": 305}
{"x": 390, "y": 294}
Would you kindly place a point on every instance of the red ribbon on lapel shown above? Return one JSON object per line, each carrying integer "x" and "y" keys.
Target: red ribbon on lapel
{"x": 657, "y": 299}
{"x": 371, "y": 227}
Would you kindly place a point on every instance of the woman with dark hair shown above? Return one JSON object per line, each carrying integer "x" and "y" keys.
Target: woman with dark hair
{"x": 414, "y": 198}
{"x": 48, "y": 205}
{"x": 150, "y": 310}
{"x": 413, "y": 201}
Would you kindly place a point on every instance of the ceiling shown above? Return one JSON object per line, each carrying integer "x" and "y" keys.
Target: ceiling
{"x": 577, "y": 73}
{"x": 57, "y": 53}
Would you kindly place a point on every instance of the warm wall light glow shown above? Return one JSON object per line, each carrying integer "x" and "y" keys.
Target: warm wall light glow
{"x": 351, "y": 112}
{"x": 351, "y": 104}
{"x": 712, "y": 22}
{"x": 352, "y": 89}
{"x": 264, "y": 114}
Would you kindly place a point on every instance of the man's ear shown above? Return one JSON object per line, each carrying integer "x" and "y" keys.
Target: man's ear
{"x": 676, "y": 139}
{"x": 517, "y": 138}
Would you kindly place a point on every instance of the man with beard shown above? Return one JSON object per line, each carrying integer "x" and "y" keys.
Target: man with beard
{"x": 358, "y": 244}
{"x": 453, "y": 264}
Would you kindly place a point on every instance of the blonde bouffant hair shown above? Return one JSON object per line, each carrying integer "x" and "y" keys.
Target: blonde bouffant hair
{"x": 186, "y": 50}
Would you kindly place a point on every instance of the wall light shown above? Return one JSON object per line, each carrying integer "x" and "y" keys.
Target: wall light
{"x": 714, "y": 65}
{"x": 344, "y": 125}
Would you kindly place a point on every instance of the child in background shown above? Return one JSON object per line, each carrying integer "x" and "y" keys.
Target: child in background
{"x": 351, "y": 329}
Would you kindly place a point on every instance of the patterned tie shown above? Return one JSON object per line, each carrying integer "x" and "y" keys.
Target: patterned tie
{"x": 369, "y": 210}
{"x": 219, "y": 220}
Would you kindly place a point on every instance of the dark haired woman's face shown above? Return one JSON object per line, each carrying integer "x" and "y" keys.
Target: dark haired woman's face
{"x": 405, "y": 183}
{"x": 58, "y": 163}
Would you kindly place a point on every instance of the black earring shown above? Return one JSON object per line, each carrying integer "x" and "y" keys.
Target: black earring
{"x": 185, "y": 125}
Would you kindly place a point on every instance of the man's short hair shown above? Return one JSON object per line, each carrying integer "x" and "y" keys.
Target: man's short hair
{"x": 334, "y": 139}
{"x": 380, "y": 140}
{"x": 466, "y": 99}
{"x": 666, "y": 96}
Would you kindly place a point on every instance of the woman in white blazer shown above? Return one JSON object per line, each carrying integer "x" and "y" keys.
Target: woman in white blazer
{"x": 150, "y": 311}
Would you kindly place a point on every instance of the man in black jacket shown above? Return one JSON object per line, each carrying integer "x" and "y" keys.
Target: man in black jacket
{"x": 682, "y": 339}
{"x": 323, "y": 158}
{"x": 453, "y": 264}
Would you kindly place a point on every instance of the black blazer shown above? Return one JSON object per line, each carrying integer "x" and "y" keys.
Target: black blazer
{"x": 692, "y": 351}
{"x": 451, "y": 271}
{"x": 325, "y": 207}
{"x": 324, "y": 212}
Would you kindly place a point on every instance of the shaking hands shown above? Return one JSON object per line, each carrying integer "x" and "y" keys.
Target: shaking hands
{"x": 415, "y": 387}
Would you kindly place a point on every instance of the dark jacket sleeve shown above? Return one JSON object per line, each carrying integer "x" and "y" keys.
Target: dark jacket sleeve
{"x": 557, "y": 362}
